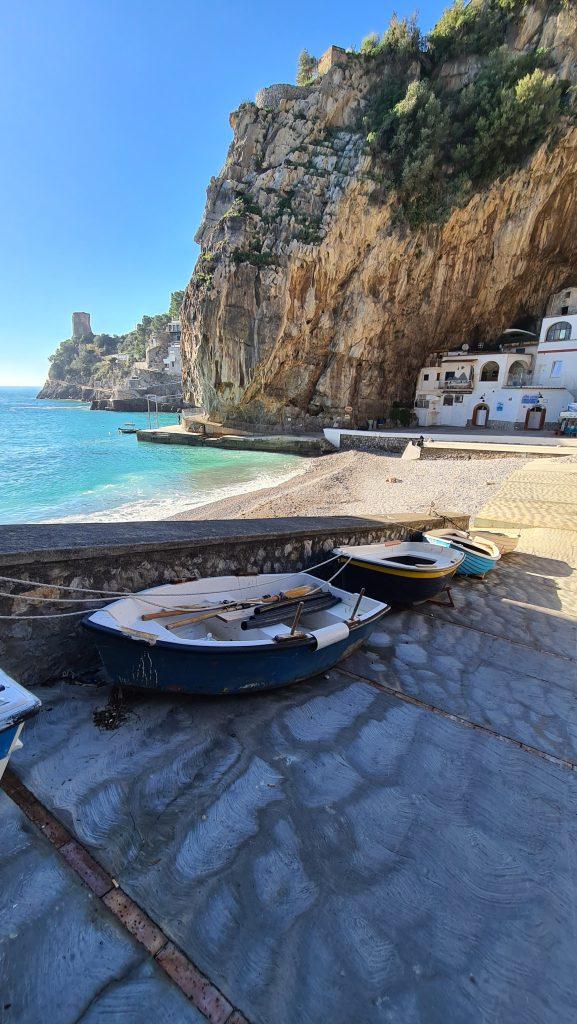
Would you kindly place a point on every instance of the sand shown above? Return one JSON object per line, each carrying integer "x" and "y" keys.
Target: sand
{"x": 359, "y": 483}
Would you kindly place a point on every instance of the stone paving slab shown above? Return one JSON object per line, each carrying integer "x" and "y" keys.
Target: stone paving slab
{"x": 542, "y": 493}
{"x": 521, "y": 607}
{"x": 328, "y": 852}
{"x": 515, "y": 511}
{"x": 526, "y": 695}
{"x": 504, "y": 657}
{"x": 63, "y": 959}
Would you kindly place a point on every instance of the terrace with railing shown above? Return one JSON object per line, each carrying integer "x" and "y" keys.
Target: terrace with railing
{"x": 457, "y": 384}
{"x": 540, "y": 379}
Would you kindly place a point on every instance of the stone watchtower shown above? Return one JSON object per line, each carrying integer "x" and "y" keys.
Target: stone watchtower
{"x": 81, "y": 326}
{"x": 333, "y": 57}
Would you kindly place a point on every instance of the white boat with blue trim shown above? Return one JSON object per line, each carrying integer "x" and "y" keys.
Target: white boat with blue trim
{"x": 16, "y": 706}
{"x": 228, "y": 634}
{"x": 481, "y": 556}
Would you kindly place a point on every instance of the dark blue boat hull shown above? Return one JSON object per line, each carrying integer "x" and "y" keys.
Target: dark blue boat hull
{"x": 169, "y": 668}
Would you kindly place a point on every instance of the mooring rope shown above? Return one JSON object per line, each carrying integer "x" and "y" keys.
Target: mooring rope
{"x": 52, "y": 600}
{"x": 144, "y": 598}
{"x": 446, "y": 519}
{"x": 61, "y": 586}
{"x": 50, "y": 615}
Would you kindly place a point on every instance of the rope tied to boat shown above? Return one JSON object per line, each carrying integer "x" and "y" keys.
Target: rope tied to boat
{"x": 433, "y": 511}
{"x": 106, "y": 594}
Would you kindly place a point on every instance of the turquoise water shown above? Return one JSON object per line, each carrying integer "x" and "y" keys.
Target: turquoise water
{"x": 60, "y": 461}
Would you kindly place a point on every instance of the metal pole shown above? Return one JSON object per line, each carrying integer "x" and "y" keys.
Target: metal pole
{"x": 296, "y": 618}
{"x": 357, "y": 603}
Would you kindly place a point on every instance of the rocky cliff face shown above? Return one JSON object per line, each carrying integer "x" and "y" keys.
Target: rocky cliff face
{"x": 312, "y": 303}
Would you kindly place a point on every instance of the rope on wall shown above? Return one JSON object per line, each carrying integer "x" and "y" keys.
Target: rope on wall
{"x": 119, "y": 594}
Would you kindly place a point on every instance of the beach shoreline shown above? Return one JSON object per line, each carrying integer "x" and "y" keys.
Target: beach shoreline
{"x": 366, "y": 484}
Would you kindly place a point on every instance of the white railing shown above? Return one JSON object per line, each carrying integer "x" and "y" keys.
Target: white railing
{"x": 454, "y": 384}
{"x": 542, "y": 380}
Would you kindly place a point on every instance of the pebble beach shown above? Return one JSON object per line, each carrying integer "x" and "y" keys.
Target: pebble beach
{"x": 363, "y": 484}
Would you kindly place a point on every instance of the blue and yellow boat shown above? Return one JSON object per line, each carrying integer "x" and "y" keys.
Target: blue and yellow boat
{"x": 16, "y": 706}
{"x": 480, "y": 556}
{"x": 401, "y": 573}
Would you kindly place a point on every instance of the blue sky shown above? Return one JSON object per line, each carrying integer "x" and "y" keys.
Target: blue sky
{"x": 113, "y": 117}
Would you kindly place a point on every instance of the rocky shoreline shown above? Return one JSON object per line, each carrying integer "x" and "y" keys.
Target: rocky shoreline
{"x": 109, "y": 399}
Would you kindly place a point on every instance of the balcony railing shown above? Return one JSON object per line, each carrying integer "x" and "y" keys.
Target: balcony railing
{"x": 454, "y": 384}
{"x": 541, "y": 380}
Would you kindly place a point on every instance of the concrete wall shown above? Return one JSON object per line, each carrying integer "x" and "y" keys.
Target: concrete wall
{"x": 130, "y": 557}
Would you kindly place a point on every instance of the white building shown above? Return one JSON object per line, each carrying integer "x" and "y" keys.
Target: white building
{"x": 522, "y": 382}
{"x": 173, "y": 361}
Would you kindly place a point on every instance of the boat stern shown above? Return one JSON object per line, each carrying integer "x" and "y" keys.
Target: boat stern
{"x": 16, "y": 705}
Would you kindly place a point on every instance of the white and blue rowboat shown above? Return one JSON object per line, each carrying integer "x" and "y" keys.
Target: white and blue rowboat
{"x": 481, "y": 556}
{"x": 229, "y": 634}
{"x": 16, "y": 705}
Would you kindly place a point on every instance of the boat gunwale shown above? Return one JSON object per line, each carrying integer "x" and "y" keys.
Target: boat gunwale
{"x": 228, "y": 646}
{"x": 20, "y": 704}
{"x": 407, "y": 573}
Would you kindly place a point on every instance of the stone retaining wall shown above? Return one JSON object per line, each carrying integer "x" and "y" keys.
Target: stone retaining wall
{"x": 372, "y": 443}
{"x": 505, "y": 426}
{"x": 430, "y": 452}
{"x": 130, "y": 557}
{"x": 272, "y": 96}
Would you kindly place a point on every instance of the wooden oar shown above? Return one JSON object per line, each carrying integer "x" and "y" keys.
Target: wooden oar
{"x": 165, "y": 613}
{"x": 296, "y": 593}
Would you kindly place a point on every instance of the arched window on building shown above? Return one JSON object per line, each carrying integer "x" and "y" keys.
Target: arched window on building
{"x": 490, "y": 371}
{"x": 561, "y": 331}
{"x": 517, "y": 373}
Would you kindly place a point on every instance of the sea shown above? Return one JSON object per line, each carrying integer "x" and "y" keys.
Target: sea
{"x": 61, "y": 462}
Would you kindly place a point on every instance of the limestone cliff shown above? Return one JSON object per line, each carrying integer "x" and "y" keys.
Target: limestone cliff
{"x": 313, "y": 302}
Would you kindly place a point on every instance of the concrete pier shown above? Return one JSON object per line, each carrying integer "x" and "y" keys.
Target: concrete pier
{"x": 285, "y": 444}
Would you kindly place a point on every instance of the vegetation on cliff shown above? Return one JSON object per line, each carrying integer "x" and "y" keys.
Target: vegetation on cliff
{"x": 86, "y": 360}
{"x": 434, "y": 144}
{"x": 307, "y": 68}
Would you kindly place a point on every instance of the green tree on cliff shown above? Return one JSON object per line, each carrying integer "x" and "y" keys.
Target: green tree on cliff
{"x": 307, "y": 68}
{"x": 175, "y": 304}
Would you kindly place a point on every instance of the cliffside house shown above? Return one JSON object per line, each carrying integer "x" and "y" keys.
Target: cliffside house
{"x": 173, "y": 361}
{"x": 174, "y": 329}
{"x": 523, "y": 381}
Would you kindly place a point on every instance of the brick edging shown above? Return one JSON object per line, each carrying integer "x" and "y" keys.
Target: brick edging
{"x": 199, "y": 989}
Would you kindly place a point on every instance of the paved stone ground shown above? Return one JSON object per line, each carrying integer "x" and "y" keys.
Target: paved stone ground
{"x": 61, "y": 957}
{"x": 372, "y": 846}
{"x": 330, "y": 852}
{"x": 542, "y": 493}
{"x": 503, "y": 658}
